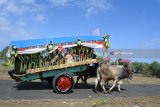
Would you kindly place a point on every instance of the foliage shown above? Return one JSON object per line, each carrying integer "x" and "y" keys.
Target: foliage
{"x": 3, "y": 54}
{"x": 3, "y": 57}
{"x": 99, "y": 58}
{"x": 146, "y": 69}
{"x": 154, "y": 68}
{"x": 5, "y": 67}
{"x": 139, "y": 67}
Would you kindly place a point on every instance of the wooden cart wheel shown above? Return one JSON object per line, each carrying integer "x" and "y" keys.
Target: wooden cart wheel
{"x": 63, "y": 83}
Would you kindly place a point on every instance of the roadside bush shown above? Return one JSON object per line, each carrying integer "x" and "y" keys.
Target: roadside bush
{"x": 154, "y": 68}
{"x": 140, "y": 67}
{"x": 146, "y": 69}
{"x": 4, "y": 64}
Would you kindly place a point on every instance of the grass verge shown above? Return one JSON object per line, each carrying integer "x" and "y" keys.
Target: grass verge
{"x": 149, "y": 101}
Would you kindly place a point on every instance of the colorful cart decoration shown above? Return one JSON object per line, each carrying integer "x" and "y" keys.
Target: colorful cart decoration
{"x": 56, "y": 60}
{"x": 106, "y": 40}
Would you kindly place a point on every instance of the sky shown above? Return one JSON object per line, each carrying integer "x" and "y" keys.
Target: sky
{"x": 130, "y": 23}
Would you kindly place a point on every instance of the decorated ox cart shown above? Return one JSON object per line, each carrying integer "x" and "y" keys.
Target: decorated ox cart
{"x": 56, "y": 60}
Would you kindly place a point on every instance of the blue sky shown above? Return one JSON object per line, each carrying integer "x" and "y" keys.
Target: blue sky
{"x": 130, "y": 23}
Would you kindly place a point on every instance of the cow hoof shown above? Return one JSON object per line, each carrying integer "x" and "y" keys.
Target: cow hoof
{"x": 109, "y": 92}
{"x": 120, "y": 91}
{"x": 94, "y": 91}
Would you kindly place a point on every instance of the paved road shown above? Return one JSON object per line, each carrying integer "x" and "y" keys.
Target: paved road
{"x": 41, "y": 90}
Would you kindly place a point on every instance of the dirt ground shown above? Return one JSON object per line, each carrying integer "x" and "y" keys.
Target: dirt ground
{"x": 149, "y": 101}
{"x": 4, "y": 76}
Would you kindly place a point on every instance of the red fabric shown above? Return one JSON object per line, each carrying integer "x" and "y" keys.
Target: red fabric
{"x": 106, "y": 59}
{"x": 21, "y": 49}
{"x": 112, "y": 53}
{"x": 60, "y": 47}
{"x": 100, "y": 42}
{"x": 82, "y": 55}
{"x": 125, "y": 60}
{"x": 104, "y": 49}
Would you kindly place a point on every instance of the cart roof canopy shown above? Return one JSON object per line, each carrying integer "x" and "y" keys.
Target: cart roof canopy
{"x": 56, "y": 40}
{"x": 37, "y": 45}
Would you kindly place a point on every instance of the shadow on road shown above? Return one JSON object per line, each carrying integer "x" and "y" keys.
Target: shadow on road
{"x": 91, "y": 86}
{"x": 45, "y": 86}
{"x": 33, "y": 86}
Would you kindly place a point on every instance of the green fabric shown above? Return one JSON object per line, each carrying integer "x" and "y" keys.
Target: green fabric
{"x": 107, "y": 45}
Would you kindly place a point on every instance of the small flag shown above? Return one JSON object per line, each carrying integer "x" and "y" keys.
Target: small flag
{"x": 112, "y": 53}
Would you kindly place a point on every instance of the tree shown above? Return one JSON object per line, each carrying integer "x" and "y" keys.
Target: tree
{"x": 140, "y": 67}
{"x": 3, "y": 54}
{"x": 146, "y": 69}
{"x": 155, "y": 69}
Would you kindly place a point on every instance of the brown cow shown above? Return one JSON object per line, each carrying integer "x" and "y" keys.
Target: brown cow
{"x": 105, "y": 73}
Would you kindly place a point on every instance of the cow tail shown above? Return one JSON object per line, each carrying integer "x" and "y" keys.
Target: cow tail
{"x": 99, "y": 77}
{"x": 97, "y": 80}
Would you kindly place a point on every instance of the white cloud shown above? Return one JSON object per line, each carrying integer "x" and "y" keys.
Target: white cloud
{"x": 28, "y": 1}
{"x": 99, "y": 4}
{"x": 9, "y": 32}
{"x": 39, "y": 18}
{"x": 2, "y": 2}
{"x": 13, "y": 19}
{"x": 15, "y": 14}
{"x": 90, "y": 11}
{"x": 11, "y": 7}
{"x": 17, "y": 8}
{"x": 153, "y": 43}
{"x": 59, "y": 2}
{"x": 95, "y": 6}
{"x": 20, "y": 6}
{"x": 91, "y": 7}
{"x": 20, "y": 23}
{"x": 4, "y": 23}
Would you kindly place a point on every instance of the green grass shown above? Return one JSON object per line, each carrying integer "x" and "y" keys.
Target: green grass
{"x": 99, "y": 103}
{"x": 5, "y": 67}
{"x": 146, "y": 101}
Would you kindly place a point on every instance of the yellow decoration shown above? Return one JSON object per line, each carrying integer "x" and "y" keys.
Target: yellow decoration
{"x": 50, "y": 46}
{"x": 106, "y": 40}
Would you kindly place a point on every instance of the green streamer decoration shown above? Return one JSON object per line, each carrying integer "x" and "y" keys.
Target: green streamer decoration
{"x": 78, "y": 41}
{"x": 50, "y": 46}
{"x": 29, "y": 65}
{"x": 25, "y": 66}
{"x": 106, "y": 40}
{"x": 40, "y": 64}
{"x": 21, "y": 67}
{"x": 14, "y": 52}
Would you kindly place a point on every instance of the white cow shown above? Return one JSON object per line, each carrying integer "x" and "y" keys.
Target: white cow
{"x": 105, "y": 73}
